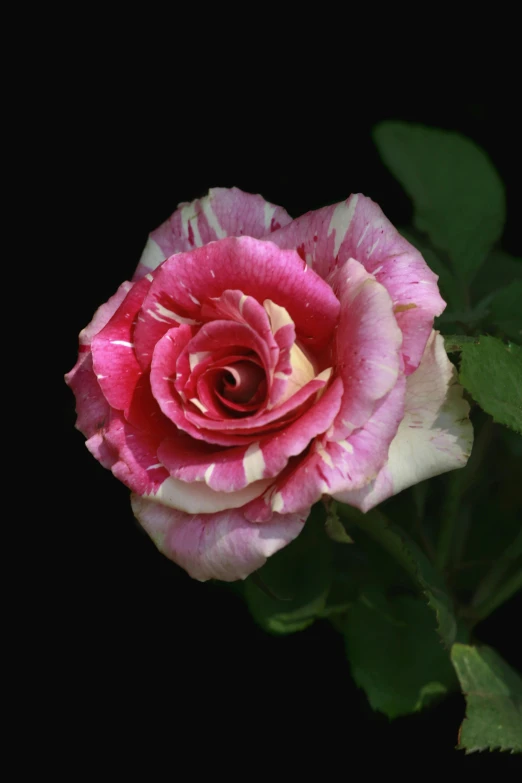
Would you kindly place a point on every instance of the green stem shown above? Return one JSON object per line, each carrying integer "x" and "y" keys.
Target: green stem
{"x": 377, "y": 526}
{"x": 449, "y": 516}
{"x": 451, "y": 542}
{"x": 508, "y": 589}
{"x": 490, "y": 583}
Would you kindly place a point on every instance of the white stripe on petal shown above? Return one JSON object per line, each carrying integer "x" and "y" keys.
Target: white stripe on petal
{"x": 166, "y": 313}
{"x": 198, "y": 498}
{"x": 269, "y": 214}
{"x": 189, "y": 213}
{"x": 198, "y": 404}
{"x": 340, "y": 221}
{"x": 277, "y": 502}
{"x": 346, "y": 446}
{"x": 197, "y": 358}
{"x": 152, "y": 255}
{"x": 253, "y": 463}
{"x": 211, "y": 218}
{"x": 363, "y": 234}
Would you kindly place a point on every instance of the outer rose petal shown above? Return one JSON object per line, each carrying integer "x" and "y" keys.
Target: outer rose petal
{"x": 368, "y": 347}
{"x": 357, "y": 228}
{"x": 215, "y": 546}
{"x": 434, "y": 436}
{"x": 114, "y": 360}
{"x": 91, "y": 407}
{"x": 138, "y": 467}
{"x": 222, "y": 213}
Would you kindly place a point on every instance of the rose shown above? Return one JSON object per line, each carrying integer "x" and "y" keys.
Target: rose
{"x": 267, "y": 362}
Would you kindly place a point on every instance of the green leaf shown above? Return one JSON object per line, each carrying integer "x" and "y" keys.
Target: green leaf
{"x": 493, "y": 693}
{"x": 335, "y": 528}
{"x": 342, "y": 594}
{"x": 395, "y": 654}
{"x": 499, "y": 270}
{"x": 492, "y": 373}
{"x": 289, "y": 592}
{"x": 470, "y": 316}
{"x": 453, "y": 342}
{"x": 412, "y": 559}
{"x": 492, "y": 502}
{"x": 457, "y": 194}
{"x": 506, "y": 310}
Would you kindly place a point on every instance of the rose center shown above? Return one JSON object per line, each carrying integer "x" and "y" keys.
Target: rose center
{"x": 241, "y": 381}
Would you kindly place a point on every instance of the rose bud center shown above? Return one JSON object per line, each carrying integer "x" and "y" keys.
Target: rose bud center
{"x": 241, "y": 381}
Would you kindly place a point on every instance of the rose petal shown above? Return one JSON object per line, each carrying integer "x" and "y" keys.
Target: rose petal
{"x": 169, "y": 355}
{"x": 331, "y": 466}
{"x": 221, "y": 546}
{"x": 357, "y": 228}
{"x": 222, "y": 213}
{"x": 368, "y": 346}
{"x": 261, "y": 421}
{"x": 233, "y": 469}
{"x": 114, "y": 360}
{"x": 187, "y": 282}
{"x": 434, "y": 436}
{"x": 137, "y": 465}
{"x": 104, "y": 313}
{"x": 92, "y": 408}
{"x": 140, "y": 469}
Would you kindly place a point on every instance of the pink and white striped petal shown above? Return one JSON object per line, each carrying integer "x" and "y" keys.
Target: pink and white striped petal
{"x": 104, "y": 313}
{"x": 265, "y": 420}
{"x": 100, "y": 450}
{"x": 233, "y": 469}
{"x": 368, "y": 344}
{"x": 434, "y": 436}
{"x": 215, "y": 342}
{"x": 137, "y": 465}
{"x": 187, "y": 282}
{"x": 224, "y": 212}
{"x": 114, "y": 361}
{"x": 221, "y": 546}
{"x": 140, "y": 469}
{"x": 357, "y": 228}
{"x": 170, "y": 373}
{"x": 331, "y": 466}
{"x": 92, "y": 408}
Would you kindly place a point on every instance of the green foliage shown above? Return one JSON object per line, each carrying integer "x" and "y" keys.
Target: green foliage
{"x": 457, "y": 194}
{"x": 394, "y": 652}
{"x": 492, "y": 373}
{"x": 505, "y": 310}
{"x": 291, "y": 589}
{"x": 335, "y": 528}
{"x": 409, "y": 555}
{"x": 499, "y": 270}
{"x": 494, "y": 700}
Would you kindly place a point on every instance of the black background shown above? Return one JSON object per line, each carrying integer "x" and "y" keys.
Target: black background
{"x": 146, "y": 650}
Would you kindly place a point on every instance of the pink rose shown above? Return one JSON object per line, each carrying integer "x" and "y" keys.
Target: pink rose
{"x": 266, "y": 362}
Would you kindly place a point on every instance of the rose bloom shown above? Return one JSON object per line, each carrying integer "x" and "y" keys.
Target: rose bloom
{"x": 256, "y": 363}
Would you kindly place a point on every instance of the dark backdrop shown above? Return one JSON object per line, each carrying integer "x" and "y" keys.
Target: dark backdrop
{"x": 144, "y": 646}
